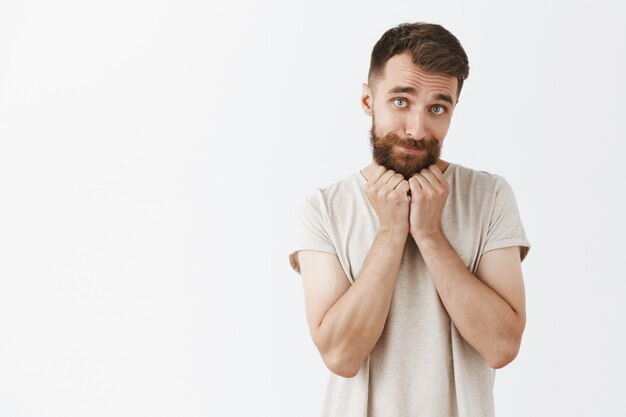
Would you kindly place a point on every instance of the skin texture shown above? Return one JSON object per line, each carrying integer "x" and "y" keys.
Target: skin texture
{"x": 488, "y": 308}
{"x": 410, "y": 117}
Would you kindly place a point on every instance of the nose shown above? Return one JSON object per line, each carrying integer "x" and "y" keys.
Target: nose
{"x": 415, "y": 126}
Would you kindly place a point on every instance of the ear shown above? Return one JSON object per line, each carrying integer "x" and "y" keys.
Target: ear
{"x": 367, "y": 100}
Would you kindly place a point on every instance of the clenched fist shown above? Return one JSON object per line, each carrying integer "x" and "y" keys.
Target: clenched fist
{"x": 429, "y": 192}
{"x": 387, "y": 192}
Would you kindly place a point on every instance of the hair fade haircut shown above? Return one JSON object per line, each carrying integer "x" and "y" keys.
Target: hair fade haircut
{"x": 431, "y": 46}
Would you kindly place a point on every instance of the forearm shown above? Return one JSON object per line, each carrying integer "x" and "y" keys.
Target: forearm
{"x": 353, "y": 325}
{"x": 484, "y": 319}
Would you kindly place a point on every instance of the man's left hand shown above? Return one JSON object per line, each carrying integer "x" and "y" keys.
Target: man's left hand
{"x": 429, "y": 192}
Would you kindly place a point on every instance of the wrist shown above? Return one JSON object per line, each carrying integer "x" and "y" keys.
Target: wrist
{"x": 424, "y": 236}
{"x": 398, "y": 232}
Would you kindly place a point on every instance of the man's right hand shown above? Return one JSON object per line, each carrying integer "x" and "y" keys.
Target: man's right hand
{"x": 387, "y": 191}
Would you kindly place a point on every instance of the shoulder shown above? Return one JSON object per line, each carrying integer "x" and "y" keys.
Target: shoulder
{"x": 335, "y": 194}
{"x": 474, "y": 180}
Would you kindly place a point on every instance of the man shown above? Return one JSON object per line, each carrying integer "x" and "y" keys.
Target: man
{"x": 412, "y": 266}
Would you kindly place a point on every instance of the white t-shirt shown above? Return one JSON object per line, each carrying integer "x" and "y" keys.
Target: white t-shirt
{"x": 421, "y": 365}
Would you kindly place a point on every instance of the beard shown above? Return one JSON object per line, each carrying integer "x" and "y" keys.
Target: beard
{"x": 403, "y": 163}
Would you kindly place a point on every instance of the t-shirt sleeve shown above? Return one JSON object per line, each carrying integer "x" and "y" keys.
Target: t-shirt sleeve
{"x": 311, "y": 231}
{"x": 505, "y": 226}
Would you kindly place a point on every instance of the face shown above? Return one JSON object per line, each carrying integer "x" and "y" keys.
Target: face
{"x": 411, "y": 112}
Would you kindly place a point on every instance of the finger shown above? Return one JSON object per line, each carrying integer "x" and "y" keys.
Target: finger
{"x": 377, "y": 173}
{"x": 414, "y": 184}
{"x": 384, "y": 179}
{"x": 437, "y": 172}
{"x": 405, "y": 188}
{"x": 426, "y": 186}
{"x": 395, "y": 180}
{"x": 430, "y": 177}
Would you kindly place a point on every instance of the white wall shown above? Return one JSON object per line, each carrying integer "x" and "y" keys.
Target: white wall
{"x": 153, "y": 155}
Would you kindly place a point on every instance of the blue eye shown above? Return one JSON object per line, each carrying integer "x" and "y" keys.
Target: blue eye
{"x": 399, "y": 99}
{"x": 443, "y": 109}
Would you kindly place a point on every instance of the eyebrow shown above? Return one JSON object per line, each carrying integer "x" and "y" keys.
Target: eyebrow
{"x": 413, "y": 91}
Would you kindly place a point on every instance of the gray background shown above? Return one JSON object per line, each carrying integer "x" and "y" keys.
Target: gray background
{"x": 153, "y": 155}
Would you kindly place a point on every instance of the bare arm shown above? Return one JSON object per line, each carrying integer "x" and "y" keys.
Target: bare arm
{"x": 351, "y": 327}
{"x": 487, "y": 309}
{"x": 491, "y": 319}
{"x": 346, "y": 322}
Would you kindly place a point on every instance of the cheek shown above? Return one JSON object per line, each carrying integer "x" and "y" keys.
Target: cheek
{"x": 387, "y": 119}
{"x": 439, "y": 128}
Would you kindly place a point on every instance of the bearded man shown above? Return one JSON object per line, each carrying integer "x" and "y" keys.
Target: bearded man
{"x": 411, "y": 267}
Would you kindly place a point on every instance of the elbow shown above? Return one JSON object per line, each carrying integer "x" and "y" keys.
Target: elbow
{"x": 341, "y": 367}
{"x": 500, "y": 361}
{"x": 504, "y": 354}
{"x": 335, "y": 359}
{"x": 505, "y": 350}
{"x": 340, "y": 364}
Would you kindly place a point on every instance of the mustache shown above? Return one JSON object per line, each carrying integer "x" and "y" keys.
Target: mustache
{"x": 393, "y": 139}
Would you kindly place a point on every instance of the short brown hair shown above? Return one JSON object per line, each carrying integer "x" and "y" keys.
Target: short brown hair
{"x": 431, "y": 46}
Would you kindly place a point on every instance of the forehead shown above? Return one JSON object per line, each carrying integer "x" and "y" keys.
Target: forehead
{"x": 401, "y": 72}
